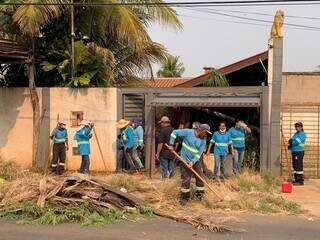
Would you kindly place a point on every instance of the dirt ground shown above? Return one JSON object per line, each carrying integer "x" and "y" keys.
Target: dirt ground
{"x": 308, "y": 196}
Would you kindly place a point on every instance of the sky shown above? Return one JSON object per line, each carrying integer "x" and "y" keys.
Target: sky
{"x": 213, "y": 40}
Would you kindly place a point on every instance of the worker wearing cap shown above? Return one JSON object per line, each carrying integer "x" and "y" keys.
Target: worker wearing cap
{"x": 222, "y": 141}
{"x": 296, "y": 145}
{"x": 165, "y": 157}
{"x": 193, "y": 145}
{"x": 238, "y": 137}
{"x": 138, "y": 141}
{"x": 127, "y": 139}
{"x": 59, "y": 136}
{"x": 83, "y": 136}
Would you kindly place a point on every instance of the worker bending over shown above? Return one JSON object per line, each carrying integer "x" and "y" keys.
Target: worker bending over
{"x": 222, "y": 142}
{"x": 59, "y": 136}
{"x": 127, "y": 138}
{"x": 83, "y": 136}
{"x": 296, "y": 145}
{"x": 238, "y": 137}
{"x": 193, "y": 145}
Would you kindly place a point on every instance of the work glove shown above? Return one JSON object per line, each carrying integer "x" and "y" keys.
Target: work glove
{"x": 242, "y": 125}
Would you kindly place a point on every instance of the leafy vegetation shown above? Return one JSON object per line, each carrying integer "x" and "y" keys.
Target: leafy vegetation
{"x": 216, "y": 79}
{"x": 116, "y": 37}
{"x": 171, "y": 68}
{"x": 29, "y": 213}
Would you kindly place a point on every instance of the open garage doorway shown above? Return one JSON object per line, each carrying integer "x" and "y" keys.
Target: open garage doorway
{"x": 183, "y": 117}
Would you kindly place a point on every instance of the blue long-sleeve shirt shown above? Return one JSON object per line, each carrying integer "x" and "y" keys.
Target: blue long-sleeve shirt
{"x": 221, "y": 142}
{"x": 82, "y": 137}
{"x": 127, "y": 136}
{"x": 138, "y": 136}
{"x": 297, "y": 141}
{"x": 192, "y": 146}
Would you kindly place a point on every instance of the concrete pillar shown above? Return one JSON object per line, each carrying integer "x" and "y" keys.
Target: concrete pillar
{"x": 274, "y": 82}
{"x": 264, "y": 129}
{"x": 150, "y": 134}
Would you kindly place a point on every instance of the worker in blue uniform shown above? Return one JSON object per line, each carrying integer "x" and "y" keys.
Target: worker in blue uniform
{"x": 127, "y": 139}
{"x": 297, "y": 146}
{"x": 193, "y": 146}
{"x": 83, "y": 136}
{"x": 59, "y": 136}
{"x": 221, "y": 140}
{"x": 238, "y": 137}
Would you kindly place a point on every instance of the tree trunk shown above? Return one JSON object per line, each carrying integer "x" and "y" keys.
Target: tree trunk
{"x": 36, "y": 111}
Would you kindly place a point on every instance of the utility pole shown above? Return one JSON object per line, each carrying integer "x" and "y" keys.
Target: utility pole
{"x": 72, "y": 41}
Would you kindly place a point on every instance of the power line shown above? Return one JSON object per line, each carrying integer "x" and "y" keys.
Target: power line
{"x": 177, "y": 4}
{"x": 254, "y": 19}
{"x": 245, "y": 23}
{"x": 262, "y": 14}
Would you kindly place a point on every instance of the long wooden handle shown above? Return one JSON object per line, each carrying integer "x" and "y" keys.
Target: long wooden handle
{"x": 195, "y": 173}
{"x": 95, "y": 135}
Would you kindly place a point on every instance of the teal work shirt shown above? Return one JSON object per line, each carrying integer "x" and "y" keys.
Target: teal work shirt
{"x": 238, "y": 137}
{"x": 298, "y": 141}
{"x": 82, "y": 137}
{"x": 221, "y": 142}
{"x": 127, "y": 136}
{"x": 138, "y": 136}
{"x": 192, "y": 146}
{"x": 59, "y": 135}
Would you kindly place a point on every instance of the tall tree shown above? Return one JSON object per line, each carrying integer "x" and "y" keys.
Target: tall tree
{"x": 117, "y": 32}
{"x": 171, "y": 68}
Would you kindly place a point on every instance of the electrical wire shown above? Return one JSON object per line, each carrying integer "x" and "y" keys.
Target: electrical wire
{"x": 262, "y": 14}
{"x": 245, "y": 23}
{"x": 195, "y": 3}
{"x": 253, "y": 19}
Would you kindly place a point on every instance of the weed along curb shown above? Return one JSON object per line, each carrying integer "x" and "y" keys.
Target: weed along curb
{"x": 104, "y": 199}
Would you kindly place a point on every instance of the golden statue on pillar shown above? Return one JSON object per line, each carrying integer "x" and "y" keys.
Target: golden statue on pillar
{"x": 276, "y": 30}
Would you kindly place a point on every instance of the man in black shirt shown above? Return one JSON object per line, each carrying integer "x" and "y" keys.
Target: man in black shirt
{"x": 164, "y": 155}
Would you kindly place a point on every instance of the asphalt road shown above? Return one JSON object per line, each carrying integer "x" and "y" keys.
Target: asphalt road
{"x": 257, "y": 227}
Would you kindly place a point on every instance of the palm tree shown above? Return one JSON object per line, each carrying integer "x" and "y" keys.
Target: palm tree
{"x": 120, "y": 30}
{"x": 216, "y": 79}
{"x": 171, "y": 68}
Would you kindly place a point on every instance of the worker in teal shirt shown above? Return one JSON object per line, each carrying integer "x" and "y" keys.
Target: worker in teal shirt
{"x": 238, "y": 137}
{"x": 83, "y": 137}
{"x": 193, "y": 146}
{"x": 59, "y": 136}
{"x": 222, "y": 141}
{"x": 138, "y": 141}
{"x": 297, "y": 145}
{"x": 127, "y": 137}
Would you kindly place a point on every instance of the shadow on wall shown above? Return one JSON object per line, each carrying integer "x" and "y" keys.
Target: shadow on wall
{"x": 11, "y": 99}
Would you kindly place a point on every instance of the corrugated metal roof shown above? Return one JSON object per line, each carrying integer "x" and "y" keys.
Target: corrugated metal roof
{"x": 203, "y": 100}
{"x": 166, "y": 82}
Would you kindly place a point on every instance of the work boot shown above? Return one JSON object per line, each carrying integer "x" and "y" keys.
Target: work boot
{"x": 199, "y": 195}
{"x": 298, "y": 183}
{"x": 183, "y": 201}
{"x": 184, "y": 198}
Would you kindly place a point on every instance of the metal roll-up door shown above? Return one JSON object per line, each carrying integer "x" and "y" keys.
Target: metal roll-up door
{"x": 310, "y": 116}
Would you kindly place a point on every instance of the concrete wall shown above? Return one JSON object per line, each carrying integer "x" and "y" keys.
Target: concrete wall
{"x": 98, "y": 104}
{"x": 300, "y": 88}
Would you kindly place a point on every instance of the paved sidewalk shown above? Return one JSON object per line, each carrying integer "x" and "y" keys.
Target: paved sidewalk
{"x": 308, "y": 196}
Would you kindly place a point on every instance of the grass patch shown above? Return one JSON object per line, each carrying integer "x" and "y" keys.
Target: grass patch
{"x": 29, "y": 213}
{"x": 127, "y": 181}
{"x": 275, "y": 204}
{"x": 9, "y": 170}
